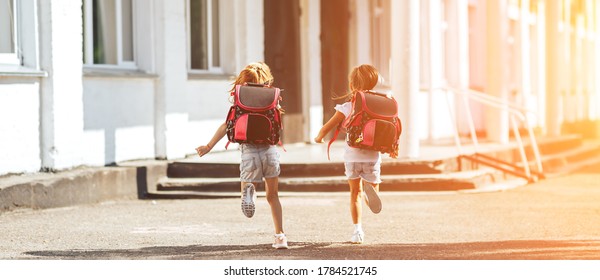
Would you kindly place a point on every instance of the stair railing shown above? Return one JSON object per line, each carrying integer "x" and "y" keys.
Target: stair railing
{"x": 515, "y": 113}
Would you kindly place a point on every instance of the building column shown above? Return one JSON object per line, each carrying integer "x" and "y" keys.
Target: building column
{"x": 496, "y": 78}
{"x": 588, "y": 62}
{"x": 553, "y": 66}
{"x": 61, "y": 93}
{"x": 596, "y": 78}
{"x": 405, "y": 72}
{"x": 457, "y": 55}
{"x": 570, "y": 111}
{"x": 170, "y": 114}
{"x": 434, "y": 64}
{"x": 310, "y": 31}
{"x": 540, "y": 63}
{"x": 249, "y": 32}
{"x": 525, "y": 54}
{"x": 360, "y": 33}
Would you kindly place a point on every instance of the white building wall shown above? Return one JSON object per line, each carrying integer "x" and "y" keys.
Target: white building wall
{"x": 61, "y": 92}
{"x": 19, "y": 125}
{"x": 207, "y": 104}
{"x": 171, "y": 67}
{"x": 118, "y": 119}
{"x": 311, "y": 66}
{"x": 188, "y": 108}
{"x": 20, "y": 99}
{"x": 405, "y": 73}
{"x": 103, "y": 116}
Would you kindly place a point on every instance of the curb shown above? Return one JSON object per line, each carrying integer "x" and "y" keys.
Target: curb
{"x": 83, "y": 185}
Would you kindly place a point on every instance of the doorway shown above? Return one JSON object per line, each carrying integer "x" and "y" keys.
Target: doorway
{"x": 282, "y": 54}
{"x": 335, "y": 22}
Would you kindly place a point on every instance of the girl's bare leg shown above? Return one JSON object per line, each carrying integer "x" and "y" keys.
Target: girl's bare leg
{"x": 272, "y": 190}
{"x": 355, "y": 200}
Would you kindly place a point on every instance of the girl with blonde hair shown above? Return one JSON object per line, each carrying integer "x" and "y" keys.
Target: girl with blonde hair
{"x": 259, "y": 161}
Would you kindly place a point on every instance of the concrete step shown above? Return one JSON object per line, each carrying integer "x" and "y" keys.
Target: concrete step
{"x": 408, "y": 182}
{"x": 552, "y": 151}
{"x": 553, "y": 145}
{"x": 197, "y": 179}
{"x": 563, "y": 162}
{"x": 205, "y": 169}
{"x": 499, "y": 185}
{"x": 322, "y": 169}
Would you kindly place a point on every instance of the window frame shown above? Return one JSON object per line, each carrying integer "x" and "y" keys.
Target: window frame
{"x": 210, "y": 43}
{"x": 14, "y": 58}
{"x": 88, "y": 40}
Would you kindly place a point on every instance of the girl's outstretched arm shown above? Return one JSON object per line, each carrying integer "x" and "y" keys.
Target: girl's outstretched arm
{"x": 221, "y": 131}
{"x": 332, "y": 123}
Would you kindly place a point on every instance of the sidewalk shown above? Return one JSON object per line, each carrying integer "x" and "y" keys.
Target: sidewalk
{"x": 132, "y": 180}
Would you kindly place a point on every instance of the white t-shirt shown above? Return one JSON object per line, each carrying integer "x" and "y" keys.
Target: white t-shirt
{"x": 356, "y": 154}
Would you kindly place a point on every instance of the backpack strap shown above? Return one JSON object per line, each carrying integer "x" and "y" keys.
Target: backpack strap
{"x": 335, "y": 135}
{"x": 281, "y": 144}
{"x": 281, "y": 123}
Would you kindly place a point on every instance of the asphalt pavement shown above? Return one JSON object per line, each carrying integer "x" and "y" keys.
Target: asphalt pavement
{"x": 557, "y": 218}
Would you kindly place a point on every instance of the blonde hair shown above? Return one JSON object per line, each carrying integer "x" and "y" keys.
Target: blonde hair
{"x": 256, "y": 72}
{"x": 362, "y": 77}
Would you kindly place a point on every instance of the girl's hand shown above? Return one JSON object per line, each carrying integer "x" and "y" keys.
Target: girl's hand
{"x": 203, "y": 150}
{"x": 319, "y": 140}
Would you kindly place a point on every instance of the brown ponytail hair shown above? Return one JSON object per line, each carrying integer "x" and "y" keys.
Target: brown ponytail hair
{"x": 362, "y": 77}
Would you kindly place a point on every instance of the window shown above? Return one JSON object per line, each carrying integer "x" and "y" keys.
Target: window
{"x": 108, "y": 33}
{"x": 204, "y": 41}
{"x": 8, "y": 32}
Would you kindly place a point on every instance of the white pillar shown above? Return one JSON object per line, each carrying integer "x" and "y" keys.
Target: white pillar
{"x": 435, "y": 63}
{"x": 525, "y": 54}
{"x": 405, "y": 72}
{"x": 596, "y": 94}
{"x": 570, "y": 109}
{"x": 310, "y": 31}
{"x": 553, "y": 73}
{"x": 587, "y": 67}
{"x": 249, "y": 32}
{"x": 360, "y": 34}
{"x": 496, "y": 121}
{"x": 540, "y": 54}
{"x": 171, "y": 115}
{"x": 62, "y": 91}
{"x": 457, "y": 54}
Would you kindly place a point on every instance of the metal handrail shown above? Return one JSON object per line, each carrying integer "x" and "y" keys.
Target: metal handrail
{"x": 492, "y": 101}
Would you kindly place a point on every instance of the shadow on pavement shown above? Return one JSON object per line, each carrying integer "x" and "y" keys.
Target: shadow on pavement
{"x": 495, "y": 250}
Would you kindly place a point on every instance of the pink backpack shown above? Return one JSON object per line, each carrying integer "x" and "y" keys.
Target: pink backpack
{"x": 254, "y": 117}
{"x": 373, "y": 123}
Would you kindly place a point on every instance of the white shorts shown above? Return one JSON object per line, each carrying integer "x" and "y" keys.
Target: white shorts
{"x": 368, "y": 171}
{"x": 259, "y": 161}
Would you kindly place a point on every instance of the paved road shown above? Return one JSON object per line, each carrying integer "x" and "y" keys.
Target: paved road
{"x": 557, "y": 218}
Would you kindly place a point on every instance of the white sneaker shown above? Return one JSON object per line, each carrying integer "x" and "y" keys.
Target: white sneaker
{"x": 248, "y": 198}
{"x": 280, "y": 241}
{"x": 357, "y": 237}
{"x": 372, "y": 198}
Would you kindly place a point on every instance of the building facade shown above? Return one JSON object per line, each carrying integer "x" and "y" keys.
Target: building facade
{"x": 97, "y": 82}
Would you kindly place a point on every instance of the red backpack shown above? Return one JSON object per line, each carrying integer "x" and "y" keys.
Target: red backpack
{"x": 373, "y": 123}
{"x": 254, "y": 117}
